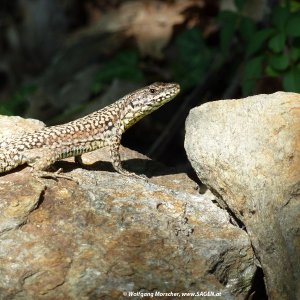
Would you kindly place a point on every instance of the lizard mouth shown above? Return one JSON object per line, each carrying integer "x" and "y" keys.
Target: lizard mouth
{"x": 171, "y": 93}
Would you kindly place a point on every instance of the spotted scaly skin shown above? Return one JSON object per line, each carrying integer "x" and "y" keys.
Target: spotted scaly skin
{"x": 105, "y": 127}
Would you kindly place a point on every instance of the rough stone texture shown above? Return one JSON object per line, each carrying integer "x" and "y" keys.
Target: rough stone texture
{"x": 12, "y": 127}
{"x": 248, "y": 152}
{"x": 111, "y": 234}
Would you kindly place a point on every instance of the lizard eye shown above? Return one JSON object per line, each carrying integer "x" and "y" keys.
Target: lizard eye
{"x": 152, "y": 91}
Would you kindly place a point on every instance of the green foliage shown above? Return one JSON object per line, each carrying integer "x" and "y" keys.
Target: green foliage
{"x": 18, "y": 102}
{"x": 272, "y": 51}
{"x": 123, "y": 65}
{"x": 293, "y": 25}
{"x": 228, "y": 23}
{"x": 257, "y": 41}
{"x": 291, "y": 79}
{"x": 280, "y": 17}
{"x": 247, "y": 29}
{"x": 294, "y": 5}
{"x": 251, "y": 74}
{"x": 239, "y": 4}
{"x": 193, "y": 58}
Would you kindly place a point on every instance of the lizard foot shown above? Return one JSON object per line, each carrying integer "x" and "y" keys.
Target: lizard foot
{"x": 134, "y": 175}
{"x": 55, "y": 175}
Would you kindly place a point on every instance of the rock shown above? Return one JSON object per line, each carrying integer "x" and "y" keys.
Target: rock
{"x": 110, "y": 235}
{"x": 16, "y": 205}
{"x": 12, "y": 127}
{"x": 248, "y": 153}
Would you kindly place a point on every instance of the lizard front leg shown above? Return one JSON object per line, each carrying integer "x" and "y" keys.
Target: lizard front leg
{"x": 114, "y": 148}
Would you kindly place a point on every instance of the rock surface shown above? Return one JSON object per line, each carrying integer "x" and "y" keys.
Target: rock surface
{"x": 12, "y": 127}
{"x": 110, "y": 234}
{"x": 248, "y": 152}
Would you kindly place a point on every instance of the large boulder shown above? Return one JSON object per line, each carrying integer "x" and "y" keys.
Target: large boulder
{"x": 247, "y": 152}
{"x": 113, "y": 237}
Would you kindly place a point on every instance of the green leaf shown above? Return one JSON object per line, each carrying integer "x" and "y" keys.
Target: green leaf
{"x": 189, "y": 43}
{"x": 294, "y": 5}
{"x": 228, "y": 22}
{"x": 269, "y": 71}
{"x": 280, "y": 17}
{"x": 193, "y": 58}
{"x": 279, "y": 62}
{"x": 294, "y": 54}
{"x": 291, "y": 81}
{"x": 239, "y": 4}
{"x": 252, "y": 72}
{"x": 293, "y": 25}
{"x": 247, "y": 28}
{"x": 277, "y": 42}
{"x": 258, "y": 40}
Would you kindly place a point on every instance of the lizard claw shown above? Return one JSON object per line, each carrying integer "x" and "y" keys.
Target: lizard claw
{"x": 55, "y": 175}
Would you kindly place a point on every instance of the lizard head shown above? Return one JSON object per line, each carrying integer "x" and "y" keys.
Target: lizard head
{"x": 148, "y": 99}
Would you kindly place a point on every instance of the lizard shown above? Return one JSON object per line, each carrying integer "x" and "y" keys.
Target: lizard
{"x": 41, "y": 148}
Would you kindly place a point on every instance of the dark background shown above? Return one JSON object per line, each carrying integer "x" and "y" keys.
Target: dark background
{"x": 62, "y": 59}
